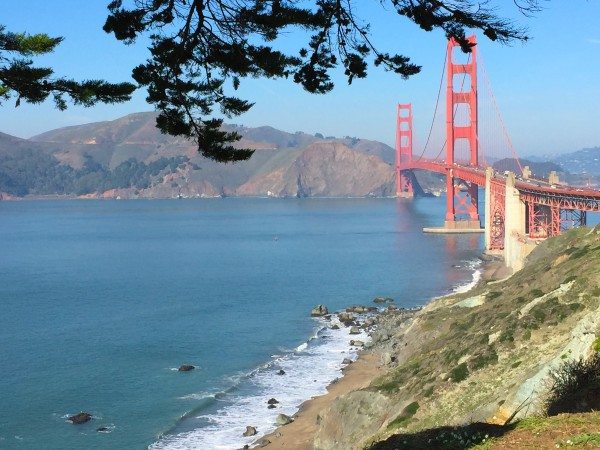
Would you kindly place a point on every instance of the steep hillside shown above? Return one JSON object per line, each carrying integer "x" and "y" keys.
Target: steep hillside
{"x": 325, "y": 169}
{"x": 585, "y": 161}
{"x": 482, "y": 356}
{"x": 130, "y": 158}
{"x": 539, "y": 169}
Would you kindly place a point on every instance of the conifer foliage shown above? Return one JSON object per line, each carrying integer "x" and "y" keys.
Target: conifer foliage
{"x": 201, "y": 49}
{"x": 22, "y": 80}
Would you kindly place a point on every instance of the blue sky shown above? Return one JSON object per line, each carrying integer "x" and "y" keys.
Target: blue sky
{"x": 548, "y": 89}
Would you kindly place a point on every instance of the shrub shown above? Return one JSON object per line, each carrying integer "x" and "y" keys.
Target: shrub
{"x": 459, "y": 373}
{"x": 575, "y": 387}
{"x": 596, "y": 344}
{"x": 485, "y": 359}
{"x": 536, "y": 293}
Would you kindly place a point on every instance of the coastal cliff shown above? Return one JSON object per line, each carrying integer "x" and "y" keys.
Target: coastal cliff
{"x": 484, "y": 356}
{"x": 129, "y": 158}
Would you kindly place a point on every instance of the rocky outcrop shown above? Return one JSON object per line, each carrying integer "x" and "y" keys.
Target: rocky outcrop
{"x": 250, "y": 431}
{"x": 319, "y": 310}
{"x": 186, "y": 368}
{"x": 80, "y": 418}
{"x": 326, "y": 169}
{"x": 283, "y": 419}
{"x": 350, "y": 418}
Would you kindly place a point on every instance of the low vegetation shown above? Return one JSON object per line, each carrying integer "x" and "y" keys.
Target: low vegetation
{"x": 30, "y": 172}
{"x": 465, "y": 360}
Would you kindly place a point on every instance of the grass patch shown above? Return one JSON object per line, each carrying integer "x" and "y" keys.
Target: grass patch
{"x": 428, "y": 392}
{"x": 492, "y": 295}
{"x": 569, "y": 279}
{"x": 579, "y": 253}
{"x": 535, "y": 293}
{"x": 583, "y": 439}
{"x": 405, "y": 416}
{"x": 480, "y": 361}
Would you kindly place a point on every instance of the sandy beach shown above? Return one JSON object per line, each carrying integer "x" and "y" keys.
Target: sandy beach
{"x": 299, "y": 435}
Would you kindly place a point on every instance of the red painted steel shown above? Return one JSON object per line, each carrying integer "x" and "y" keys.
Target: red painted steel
{"x": 461, "y": 201}
{"x": 550, "y": 207}
{"x": 404, "y": 149}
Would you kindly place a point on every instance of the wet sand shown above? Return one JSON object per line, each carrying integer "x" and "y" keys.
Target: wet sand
{"x": 299, "y": 434}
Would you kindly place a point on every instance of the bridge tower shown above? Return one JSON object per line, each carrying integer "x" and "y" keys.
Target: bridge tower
{"x": 461, "y": 196}
{"x": 404, "y": 150}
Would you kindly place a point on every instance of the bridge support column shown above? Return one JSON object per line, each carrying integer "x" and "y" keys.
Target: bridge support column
{"x": 489, "y": 173}
{"x": 514, "y": 236}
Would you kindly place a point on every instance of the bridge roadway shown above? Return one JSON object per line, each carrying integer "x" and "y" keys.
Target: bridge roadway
{"x": 539, "y": 191}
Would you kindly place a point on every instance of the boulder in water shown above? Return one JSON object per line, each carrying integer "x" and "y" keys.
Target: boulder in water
{"x": 345, "y": 317}
{"x": 281, "y": 372}
{"x": 186, "y": 368}
{"x": 102, "y": 430}
{"x": 271, "y": 407}
{"x": 250, "y": 431}
{"x": 283, "y": 419}
{"x": 272, "y": 401}
{"x": 354, "y": 330}
{"x": 347, "y": 361}
{"x": 383, "y": 300}
{"x": 335, "y": 326}
{"x": 80, "y": 418}
{"x": 319, "y": 311}
{"x": 357, "y": 343}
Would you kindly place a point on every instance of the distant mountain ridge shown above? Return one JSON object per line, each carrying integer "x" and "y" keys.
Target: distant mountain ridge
{"x": 129, "y": 158}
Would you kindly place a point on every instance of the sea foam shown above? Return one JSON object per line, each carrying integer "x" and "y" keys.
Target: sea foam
{"x": 309, "y": 369}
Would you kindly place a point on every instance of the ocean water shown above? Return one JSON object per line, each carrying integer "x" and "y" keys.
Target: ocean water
{"x": 103, "y": 300}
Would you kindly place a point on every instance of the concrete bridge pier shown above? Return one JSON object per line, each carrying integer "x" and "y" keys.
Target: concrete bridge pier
{"x": 517, "y": 244}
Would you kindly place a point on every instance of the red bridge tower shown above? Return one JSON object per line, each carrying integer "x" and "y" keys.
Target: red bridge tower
{"x": 404, "y": 150}
{"x": 461, "y": 196}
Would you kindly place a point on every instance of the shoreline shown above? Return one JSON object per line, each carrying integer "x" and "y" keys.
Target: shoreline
{"x": 300, "y": 434}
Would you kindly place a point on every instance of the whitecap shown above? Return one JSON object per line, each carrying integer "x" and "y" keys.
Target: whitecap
{"x": 308, "y": 371}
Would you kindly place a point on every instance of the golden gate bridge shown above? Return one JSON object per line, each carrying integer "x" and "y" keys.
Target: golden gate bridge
{"x": 519, "y": 209}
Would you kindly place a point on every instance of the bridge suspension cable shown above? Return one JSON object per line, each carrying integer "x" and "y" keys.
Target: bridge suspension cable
{"x": 497, "y": 109}
{"x": 437, "y": 102}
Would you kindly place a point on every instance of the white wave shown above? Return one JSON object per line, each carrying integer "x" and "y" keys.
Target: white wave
{"x": 308, "y": 372}
{"x": 475, "y": 277}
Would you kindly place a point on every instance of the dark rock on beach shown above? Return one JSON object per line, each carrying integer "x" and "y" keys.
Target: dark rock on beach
{"x": 186, "y": 368}
{"x": 80, "y": 418}
{"x": 250, "y": 431}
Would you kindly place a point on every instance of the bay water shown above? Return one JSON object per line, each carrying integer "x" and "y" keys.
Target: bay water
{"x": 101, "y": 301}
